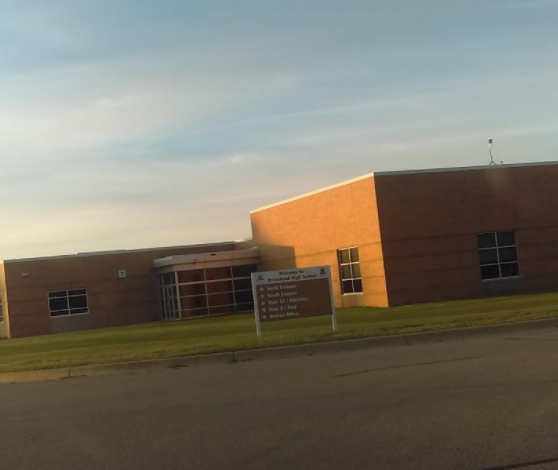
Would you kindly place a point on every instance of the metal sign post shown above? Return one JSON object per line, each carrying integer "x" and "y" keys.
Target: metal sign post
{"x": 256, "y": 309}
{"x": 333, "y": 312}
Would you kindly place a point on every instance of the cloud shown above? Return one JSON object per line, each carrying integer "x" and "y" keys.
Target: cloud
{"x": 146, "y": 108}
{"x": 235, "y": 159}
{"x": 177, "y": 118}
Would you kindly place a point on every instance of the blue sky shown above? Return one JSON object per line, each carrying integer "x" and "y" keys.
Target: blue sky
{"x": 129, "y": 124}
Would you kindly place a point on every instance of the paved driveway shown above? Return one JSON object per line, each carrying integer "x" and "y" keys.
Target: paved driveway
{"x": 480, "y": 404}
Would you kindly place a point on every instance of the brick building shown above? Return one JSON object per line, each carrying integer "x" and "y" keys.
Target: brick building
{"x": 397, "y": 238}
{"x": 391, "y": 238}
{"x": 94, "y": 290}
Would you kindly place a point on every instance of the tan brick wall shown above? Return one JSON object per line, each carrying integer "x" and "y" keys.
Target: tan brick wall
{"x": 309, "y": 230}
{"x": 430, "y": 220}
{"x": 112, "y": 301}
{"x": 4, "y": 326}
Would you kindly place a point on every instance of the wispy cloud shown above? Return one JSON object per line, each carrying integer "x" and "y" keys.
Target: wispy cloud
{"x": 159, "y": 123}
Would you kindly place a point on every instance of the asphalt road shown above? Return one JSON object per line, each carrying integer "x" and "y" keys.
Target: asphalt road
{"x": 479, "y": 404}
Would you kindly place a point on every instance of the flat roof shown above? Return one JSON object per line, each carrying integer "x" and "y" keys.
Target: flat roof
{"x": 248, "y": 253}
{"x": 403, "y": 172}
{"x": 464, "y": 168}
{"x": 311, "y": 193}
{"x": 117, "y": 252}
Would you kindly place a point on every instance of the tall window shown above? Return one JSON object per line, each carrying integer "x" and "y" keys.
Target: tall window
{"x": 349, "y": 270}
{"x": 497, "y": 255}
{"x": 67, "y": 302}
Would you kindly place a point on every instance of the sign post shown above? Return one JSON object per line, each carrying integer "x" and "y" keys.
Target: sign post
{"x": 333, "y": 313}
{"x": 293, "y": 293}
{"x": 258, "y": 324}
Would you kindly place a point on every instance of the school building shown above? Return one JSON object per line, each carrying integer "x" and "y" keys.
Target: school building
{"x": 391, "y": 238}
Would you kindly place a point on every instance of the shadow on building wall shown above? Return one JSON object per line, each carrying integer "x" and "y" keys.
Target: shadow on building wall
{"x": 273, "y": 257}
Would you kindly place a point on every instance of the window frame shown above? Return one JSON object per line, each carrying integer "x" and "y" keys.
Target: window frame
{"x": 497, "y": 249}
{"x": 69, "y": 309}
{"x": 350, "y": 264}
{"x": 237, "y": 305}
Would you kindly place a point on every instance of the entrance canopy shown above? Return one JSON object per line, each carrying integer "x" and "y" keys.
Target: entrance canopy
{"x": 206, "y": 284}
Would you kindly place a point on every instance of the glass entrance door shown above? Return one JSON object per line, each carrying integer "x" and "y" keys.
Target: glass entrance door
{"x": 170, "y": 303}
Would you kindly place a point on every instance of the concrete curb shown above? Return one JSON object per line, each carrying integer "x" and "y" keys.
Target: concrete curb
{"x": 278, "y": 352}
{"x": 130, "y": 367}
{"x": 485, "y": 330}
{"x": 319, "y": 348}
{"x": 395, "y": 340}
{"x": 34, "y": 376}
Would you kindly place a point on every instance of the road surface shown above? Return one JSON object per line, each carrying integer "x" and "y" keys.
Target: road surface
{"x": 479, "y": 404}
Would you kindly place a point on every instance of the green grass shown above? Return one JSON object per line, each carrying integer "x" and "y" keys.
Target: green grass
{"x": 171, "y": 339}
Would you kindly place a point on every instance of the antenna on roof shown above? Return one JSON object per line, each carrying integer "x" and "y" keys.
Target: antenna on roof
{"x": 490, "y": 150}
{"x": 492, "y": 162}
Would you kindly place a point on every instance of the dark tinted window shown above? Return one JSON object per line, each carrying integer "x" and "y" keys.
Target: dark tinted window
{"x": 213, "y": 288}
{"x": 195, "y": 275}
{"x": 70, "y": 302}
{"x": 192, "y": 289}
{"x": 349, "y": 270}
{"x": 77, "y": 292}
{"x": 219, "y": 286}
{"x": 78, "y": 302}
{"x": 193, "y": 302}
{"x": 61, "y": 293}
{"x": 344, "y": 256}
{"x": 198, "y": 312}
{"x": 506, "y": 238}
{"x": 58, "y": 303}
{"x": 245, "y": 270}
{"x": 243, "y": 284}
{"x": 509, "y": 269}
{"x": 507, "y": 254}
{"x": 347, "y": 287}
{"x": 59, "y": 313}
{"x": 357, "y": 285}
{"x": 489, "y": 256}
{"x": 356, "y": 270}
{"x": 498, "y": 255}
{"x": 218, "y": 273}
{"x": 245, "y": 307}
{"x": 222, "y": 309}
{"x": 79, "y": 310}
{"x": 243, "y": 297}
{"x": 346, "y": 272}
{"x": 220, "y": 299}
{"x": 167, "y": 278}
{"x": 490, "y": 271}
{"x": 486, "y": 240}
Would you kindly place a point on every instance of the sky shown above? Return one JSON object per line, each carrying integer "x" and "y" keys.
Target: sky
{"x": 140, "y": 123}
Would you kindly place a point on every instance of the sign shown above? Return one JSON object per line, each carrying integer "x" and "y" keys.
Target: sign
{"x": 293, "y": 293}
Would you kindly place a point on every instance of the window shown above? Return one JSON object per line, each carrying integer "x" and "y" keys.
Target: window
{"x": 497, "y": 255}
{"x": 67, "y": 302}
{"x": 349, "y": 270}
{"x": 208, "y": 291}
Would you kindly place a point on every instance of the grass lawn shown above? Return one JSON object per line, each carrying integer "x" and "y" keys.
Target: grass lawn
{"x": 169, "y": 339}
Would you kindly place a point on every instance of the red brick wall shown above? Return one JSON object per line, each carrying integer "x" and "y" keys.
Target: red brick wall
{"x": 4, "y": 326}
{"x": 429, "y": 223}
{"x": 112, "y": 301}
